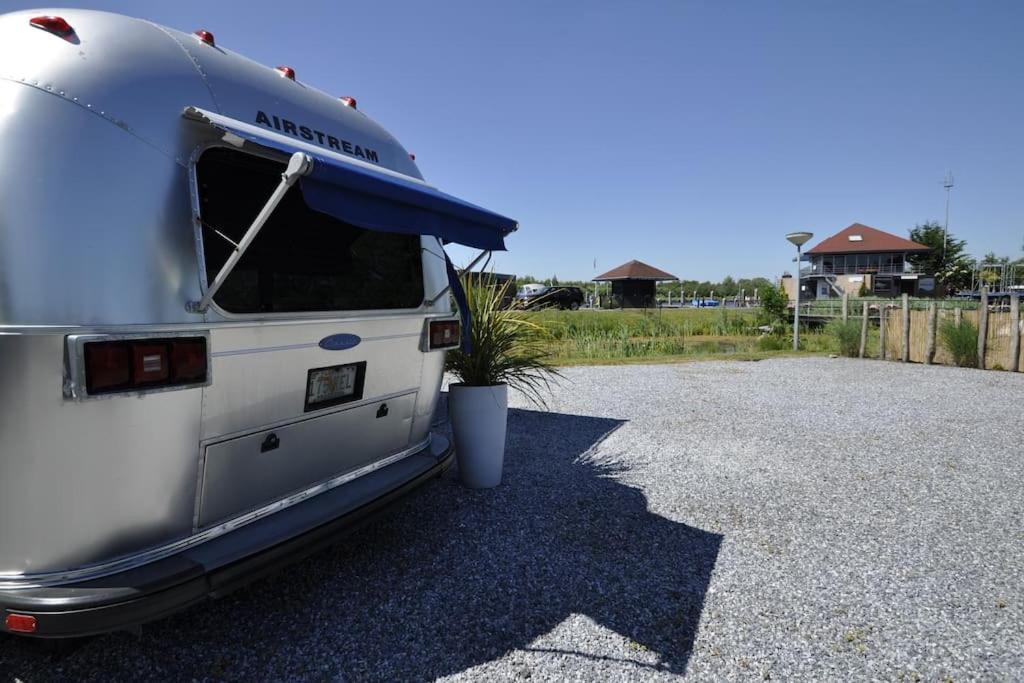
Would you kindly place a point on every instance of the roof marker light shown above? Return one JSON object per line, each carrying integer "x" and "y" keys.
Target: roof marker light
{"x": 205, "y": 36}
{"x": 348, "y": 101}
{"x": 286, "y": 71}
{"x": 412, "y": 156}
{"x": 20, "y": 623}
{"x": 55, "y": 25}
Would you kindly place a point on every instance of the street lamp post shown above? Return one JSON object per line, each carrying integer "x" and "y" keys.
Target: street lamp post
{"x": 799, "y": 239}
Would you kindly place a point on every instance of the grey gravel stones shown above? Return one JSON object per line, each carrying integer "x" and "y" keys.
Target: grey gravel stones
{"x": 805, "y": 518}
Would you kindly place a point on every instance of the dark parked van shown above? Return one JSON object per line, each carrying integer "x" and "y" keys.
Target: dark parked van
{"x": 570, "y": 298}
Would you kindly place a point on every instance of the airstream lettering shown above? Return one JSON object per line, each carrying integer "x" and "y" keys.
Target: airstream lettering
{"x": 308, "y": 133}
{"x": 219, "y": 339}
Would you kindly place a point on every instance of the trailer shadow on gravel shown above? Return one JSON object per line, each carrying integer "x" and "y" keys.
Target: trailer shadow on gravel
{"x": 451, "y": 579}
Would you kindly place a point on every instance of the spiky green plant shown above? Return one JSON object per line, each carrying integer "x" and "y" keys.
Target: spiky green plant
{"x": 847, "y": 335}
{"x": 961, "y": 342}
{"x": 507, "y": 347}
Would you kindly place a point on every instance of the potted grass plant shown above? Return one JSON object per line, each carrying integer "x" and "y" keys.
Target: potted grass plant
{"x": 506, "y": 350}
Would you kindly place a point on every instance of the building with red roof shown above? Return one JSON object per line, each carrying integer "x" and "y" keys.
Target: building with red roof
{"x": 634, "y": 284}
{"x": 861, "y": 256}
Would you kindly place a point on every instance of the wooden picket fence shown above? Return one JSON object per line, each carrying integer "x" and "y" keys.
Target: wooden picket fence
{"x": 1002, "y": 331}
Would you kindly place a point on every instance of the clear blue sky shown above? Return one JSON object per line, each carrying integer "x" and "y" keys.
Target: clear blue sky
{"x": 692, "y": 135}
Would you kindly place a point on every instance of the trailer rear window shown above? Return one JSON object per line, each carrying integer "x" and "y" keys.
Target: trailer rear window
{"x": 302, "y": 260}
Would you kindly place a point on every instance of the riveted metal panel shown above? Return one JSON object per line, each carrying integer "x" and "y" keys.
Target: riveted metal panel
{"x": 241, "y": 473}
{"x": 86, "y": 481}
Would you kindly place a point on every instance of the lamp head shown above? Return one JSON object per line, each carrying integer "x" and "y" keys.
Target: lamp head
{"x": 799, "y": 238}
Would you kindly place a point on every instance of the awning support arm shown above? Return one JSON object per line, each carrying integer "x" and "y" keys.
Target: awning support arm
{"x": 478, "y": 259}
{"x": 298, "y": 165}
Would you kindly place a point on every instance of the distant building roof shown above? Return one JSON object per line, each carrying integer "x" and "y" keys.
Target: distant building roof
{"x": 860, "y": 238}
{"x": 635, "y": 270}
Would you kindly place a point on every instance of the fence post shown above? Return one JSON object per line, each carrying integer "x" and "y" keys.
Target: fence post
{"x": 864, "y": 330}
{"x": 881, "y": 330}
{"x": 905, "y": 338}
{"x": 982, "y": 327}
{"x": 846, "y": 306}
{"x": 1014, "y": 332}
{"x": 933, "y": 324}
{"x": 958, "y": 316}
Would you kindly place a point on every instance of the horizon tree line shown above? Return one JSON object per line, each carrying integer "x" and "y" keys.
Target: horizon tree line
{"x": 952, "y": 266}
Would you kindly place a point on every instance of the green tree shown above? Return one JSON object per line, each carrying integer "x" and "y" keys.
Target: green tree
{"x": 992, "y": 268}
{"x": 992, "y": 276}
{"x": 991, "y": 257}
{"x": 758, "y": 283}
{"x": 773, "y": 305}
{"x": 727, "y": 287}
{"x": 949, "y": 264}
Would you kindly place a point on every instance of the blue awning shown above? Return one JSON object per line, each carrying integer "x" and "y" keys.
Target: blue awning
{"x": 389, "y": 204}
{"x": 376, "y": 200}
{"x": 379, "y": 200}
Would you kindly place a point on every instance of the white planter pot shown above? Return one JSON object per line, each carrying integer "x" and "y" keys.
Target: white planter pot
{"x": 479, "y": 418}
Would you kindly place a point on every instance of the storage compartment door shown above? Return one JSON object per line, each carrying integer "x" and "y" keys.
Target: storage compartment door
{"x": 247, "y": 472}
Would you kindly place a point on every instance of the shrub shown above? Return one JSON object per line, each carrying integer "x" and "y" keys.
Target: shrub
{"x": 863, "y": 291}
{"x": 773, "y": 305}
{"x": 961, "y": 342}
{"x": 847, "y": 335}
{"x": 772, "y": 342}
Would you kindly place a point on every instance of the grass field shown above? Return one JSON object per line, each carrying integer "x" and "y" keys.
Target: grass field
{"x": 598, "y": 337}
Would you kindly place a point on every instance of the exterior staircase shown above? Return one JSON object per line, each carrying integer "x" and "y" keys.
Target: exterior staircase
{"x": 831, "y": 280}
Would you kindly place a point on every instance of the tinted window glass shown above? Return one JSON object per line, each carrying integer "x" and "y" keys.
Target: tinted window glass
{"x": 302, "y": 260}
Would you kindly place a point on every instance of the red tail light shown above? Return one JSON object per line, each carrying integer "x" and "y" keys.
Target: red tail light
{"x": 286, "y": 71}
{"x": 442, "y": 334}
{"x": 205, "y": 36}
{"x": 188, "y": 361}
{"x": 108, "y": 367}
{"x": 349, "y": 101}
{"x": 55, "y": 25}
{"x": 20, "y": 623}
{"x": 138, "y": 364}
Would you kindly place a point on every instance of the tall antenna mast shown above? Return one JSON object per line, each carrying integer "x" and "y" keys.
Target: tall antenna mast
{"x": 947, "y": 183}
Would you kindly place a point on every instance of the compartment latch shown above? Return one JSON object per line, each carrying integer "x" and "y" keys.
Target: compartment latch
{"x": 270, "y": 443}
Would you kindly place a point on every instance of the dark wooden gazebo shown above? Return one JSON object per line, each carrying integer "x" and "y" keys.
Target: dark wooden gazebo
{"x": 634, "y": 284}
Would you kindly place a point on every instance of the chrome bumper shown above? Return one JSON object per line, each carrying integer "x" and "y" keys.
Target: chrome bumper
{"x": 221, "y": 565}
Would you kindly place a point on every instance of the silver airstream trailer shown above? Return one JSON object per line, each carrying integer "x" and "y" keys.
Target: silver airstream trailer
{"x": 224, "y": 305}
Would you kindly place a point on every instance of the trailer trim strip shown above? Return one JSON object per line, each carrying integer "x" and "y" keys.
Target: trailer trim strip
{"x": 26, "y": 580}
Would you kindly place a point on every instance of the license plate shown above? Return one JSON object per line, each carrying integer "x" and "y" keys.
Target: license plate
{"x": 336, "y": 384}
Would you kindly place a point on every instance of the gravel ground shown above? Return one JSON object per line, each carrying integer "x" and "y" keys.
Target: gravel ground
{"x": 795, "y": 518}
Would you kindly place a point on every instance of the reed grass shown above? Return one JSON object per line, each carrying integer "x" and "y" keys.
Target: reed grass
{"x": 581, "y": 337}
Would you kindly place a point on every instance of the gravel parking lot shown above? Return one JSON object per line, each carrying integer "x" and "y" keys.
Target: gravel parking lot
{"x": 795, "y": 518}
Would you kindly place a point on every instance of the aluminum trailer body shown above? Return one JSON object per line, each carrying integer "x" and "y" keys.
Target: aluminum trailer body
{"x": 155, "y": 450}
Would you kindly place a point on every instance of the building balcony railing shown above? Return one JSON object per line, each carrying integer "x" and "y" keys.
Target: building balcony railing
{"x": 881, "y": 269}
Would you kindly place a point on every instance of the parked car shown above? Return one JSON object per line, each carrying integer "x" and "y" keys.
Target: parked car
{"x": 704, "y": 302}
{"x": 529, "y": 291}
{"x": 507, "y": 283}
{"x": 534, "y": 296}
